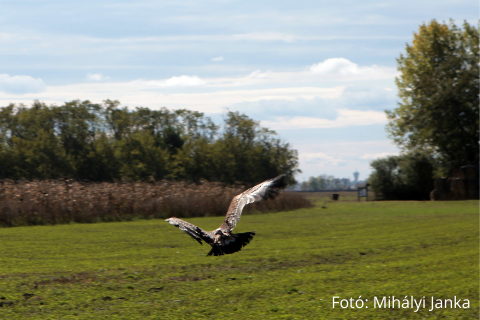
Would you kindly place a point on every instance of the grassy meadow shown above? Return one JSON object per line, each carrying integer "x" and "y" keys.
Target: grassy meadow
{"x": 298, "y": 261}
{"x": 351, "y": 195}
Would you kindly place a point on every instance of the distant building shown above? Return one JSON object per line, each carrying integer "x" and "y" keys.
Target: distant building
{"x": 356, "y": 174}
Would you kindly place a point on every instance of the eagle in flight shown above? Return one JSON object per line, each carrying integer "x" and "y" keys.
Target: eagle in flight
{"x": 222, "y": 240}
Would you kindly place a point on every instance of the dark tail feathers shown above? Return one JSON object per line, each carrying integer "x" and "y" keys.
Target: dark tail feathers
{"x": 242, "y": 239}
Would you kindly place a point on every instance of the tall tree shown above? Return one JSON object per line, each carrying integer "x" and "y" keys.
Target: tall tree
{"x": 438, "y": 88}
{"x": 248, "y": 152}
{"x": 405, "y": 177}
{"x": 98, "y": 142}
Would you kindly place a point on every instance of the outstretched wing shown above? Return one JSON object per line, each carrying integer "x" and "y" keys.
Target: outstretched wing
{"x": 262, "y": 191}
{"x": 190, "y": 229}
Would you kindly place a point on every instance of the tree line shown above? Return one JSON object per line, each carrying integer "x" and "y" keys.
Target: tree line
{"x": 324, "y": 182}
{"x": 105, "y": 142}
{"x": 436, "y": 123}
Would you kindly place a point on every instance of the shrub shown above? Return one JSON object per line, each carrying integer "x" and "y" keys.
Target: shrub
{"x": 65, "y": 201}
{"x": 404, "y": 177}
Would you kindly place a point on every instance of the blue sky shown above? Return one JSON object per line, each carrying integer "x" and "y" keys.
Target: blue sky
{"x": 319, "y": 73}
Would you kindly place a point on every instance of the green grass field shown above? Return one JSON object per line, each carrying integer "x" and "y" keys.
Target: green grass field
{"x": 293, "y": 268}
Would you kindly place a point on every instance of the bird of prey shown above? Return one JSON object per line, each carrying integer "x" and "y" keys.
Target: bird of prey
{"x": 222, "y": 240}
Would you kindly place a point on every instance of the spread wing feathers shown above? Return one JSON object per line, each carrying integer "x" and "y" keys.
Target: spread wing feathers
{"x": 190, "y": 229}
{"x": 233, "y": 244}
{"x": 262, "y": 191}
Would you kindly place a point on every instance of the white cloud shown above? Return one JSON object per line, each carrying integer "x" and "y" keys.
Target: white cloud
{"x": 318, "y": 155}
{"x": 257, "y": 74}
{"x": 217, "y": 59}
{"x": 184, "y": 81}
{"x": 155, "y": 94}
{"x": 345, "y": 118}
{"x": 372, "y": 156}
{"x": 334, "y": 69}
{"x": 335, "y": 65}
{"x": 352, "y": 97}
{"x": 321, "y": 159}
{"x": 96, "y": 77}
{"x": 291, "y": 100}
{"x": 342, "y": 67}
{"x": 21, "y": 84}
{"x": 361, "y": 117}
{"x": 181, "y": 81}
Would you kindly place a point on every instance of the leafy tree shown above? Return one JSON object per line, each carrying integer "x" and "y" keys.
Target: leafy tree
{"x": 405, "y": 177}
{"x": 314, "y": 184}
{"x": 140, "y": 158}
{"x": 249, "y": 153}
{"x": 118, "y": 121}
{"x": 197, "y": 159}
{"x": 31, "y": 148}
{"x": 304, "y": 186}
{"x": 102, "y": 142}
{"x": 323, "y": 182}
{"x": 438, "y": 88}
{"x": 172, "y": 139}
{"x": 106, "y": 166}
{"x": 76, "y": 125}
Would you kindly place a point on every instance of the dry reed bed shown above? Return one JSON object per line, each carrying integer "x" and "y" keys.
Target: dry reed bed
{"x": 65, "y": 201}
